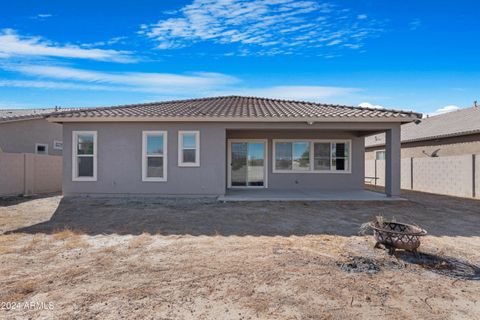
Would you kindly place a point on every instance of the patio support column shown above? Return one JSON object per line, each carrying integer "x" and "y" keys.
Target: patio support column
{"x": 393, "y": 162}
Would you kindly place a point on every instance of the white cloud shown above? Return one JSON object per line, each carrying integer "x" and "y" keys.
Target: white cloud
{"x": 179, "y": 85}
{"x": 109, "y": 42}
{"x": 42, "y": 16}
{"x": 415, "y": 24}
{"x": 133, "y": 81}
{"x": 14, "y": 45}
{"x": 272, "y": 26}
{"x": 370, "y": 106}
{"x": 36, "y": 84}
{"x": 443, "y": 110}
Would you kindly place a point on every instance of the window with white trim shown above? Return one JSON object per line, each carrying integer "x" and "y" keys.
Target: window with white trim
{"x": 154, "y": 156}
{"x": 84, "y": 155}
{"x": 295, "y": 156}
{"x": 41, "y": 148}
{"x": 188, "y": 148}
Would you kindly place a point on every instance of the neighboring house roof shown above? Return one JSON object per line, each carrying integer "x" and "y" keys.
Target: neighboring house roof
{"x": 451, "y": 124}
{"x": 233, "y": 108}
{"x": 27, "y": 114}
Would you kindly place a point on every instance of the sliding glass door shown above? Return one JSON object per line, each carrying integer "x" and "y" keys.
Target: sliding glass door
{"x": 247, "y": 163}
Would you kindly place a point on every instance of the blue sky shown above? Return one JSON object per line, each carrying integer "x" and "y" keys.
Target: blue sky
{"x": 420, "y": 55}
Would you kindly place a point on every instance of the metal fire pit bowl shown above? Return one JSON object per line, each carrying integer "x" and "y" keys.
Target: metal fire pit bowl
{"x": 394, "y": 235}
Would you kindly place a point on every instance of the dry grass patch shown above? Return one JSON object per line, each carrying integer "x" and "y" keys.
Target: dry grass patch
{"x": 271, "y": 261}
{"x": 76, "y": 242}
{"x": 8, "y": 243}
{"x": 34, "y": 244}
{"x": 140, "y": 241}
{"x": 64, "y": 234}
{"x": 72, "y": 239}
{"x": 104, "y": 260}
{"x": 18, "y": 291}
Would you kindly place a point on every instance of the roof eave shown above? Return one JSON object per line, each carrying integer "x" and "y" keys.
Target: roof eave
{"x": 18, "y": 119}
{"x": 443, "y": 136}
{"x": 231, "y": 119}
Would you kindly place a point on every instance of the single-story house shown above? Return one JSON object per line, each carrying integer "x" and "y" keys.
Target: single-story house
{"x": 449, "y": 134}
{"x": 207, "y": 146}
{"x": 27, "y": 131}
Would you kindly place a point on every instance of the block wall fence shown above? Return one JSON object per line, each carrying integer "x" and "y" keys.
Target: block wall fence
{"x": 453, "y": 175}
{"x": 28, "y": 174}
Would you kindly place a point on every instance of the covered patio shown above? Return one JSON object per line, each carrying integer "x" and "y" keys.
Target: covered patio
{"x": 304, "y": 195}
{"x": 319, "y": 162}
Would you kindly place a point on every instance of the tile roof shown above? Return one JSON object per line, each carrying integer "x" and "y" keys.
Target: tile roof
{"x": 456, "y": 123}
{"x": 27, "y": 114}
{"x": 234, "y": 108}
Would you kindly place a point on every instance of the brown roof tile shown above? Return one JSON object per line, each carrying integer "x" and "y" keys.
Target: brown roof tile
{"x": 236, "y": 107}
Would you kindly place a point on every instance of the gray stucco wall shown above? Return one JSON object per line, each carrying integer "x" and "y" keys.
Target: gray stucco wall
{"x": 119, "y": 164}
{"x": 21, "y": 136}
{"x": 120, "y": 157}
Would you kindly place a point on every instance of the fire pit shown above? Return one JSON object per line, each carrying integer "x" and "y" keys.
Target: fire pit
{"x": 394, "y": 235}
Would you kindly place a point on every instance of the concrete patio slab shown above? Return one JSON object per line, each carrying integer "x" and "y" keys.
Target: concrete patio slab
{"x": 304, "y": 195}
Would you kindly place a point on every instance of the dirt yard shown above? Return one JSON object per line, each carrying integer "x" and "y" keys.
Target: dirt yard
{"x": 200, "y": 259}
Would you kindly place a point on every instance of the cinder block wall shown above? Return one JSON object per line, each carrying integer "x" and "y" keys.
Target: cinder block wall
{"x": 444, "y": 175}
{"x": 406, "y": 172}
{"x": 370, "y": 169}
{"x": 381, "y": 172}
{"x": 477, "y": 176}
{"x": 454, "y": 175}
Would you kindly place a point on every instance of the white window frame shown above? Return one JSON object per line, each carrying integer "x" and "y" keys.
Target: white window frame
{"x": 75, "y": 155}
{"x": 145, "y": 134}
{"x": 229, "y": 159}
{"x": 55, "y": 143}
{"x": 180, "y": 149}
{"x": 311, "y": 164}
{"x": 43, "y": 145}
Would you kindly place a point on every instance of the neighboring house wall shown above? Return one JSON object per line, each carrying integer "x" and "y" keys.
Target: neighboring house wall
{"x": 468, "y": 144}
{"x": 22, "y": 136}
{"x": 26, "y": 174}
{"x": 119, "y": 157}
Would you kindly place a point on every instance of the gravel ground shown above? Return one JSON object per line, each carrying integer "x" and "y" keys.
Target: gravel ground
{"x": 200, "y": 259}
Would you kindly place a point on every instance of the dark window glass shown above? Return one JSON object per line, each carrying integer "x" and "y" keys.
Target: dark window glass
{"x": 155, "y": 167}
{"x": 85, "y": 166}
{"x": 41, "y": 149}
{"x": 340, "y": 153}
{"x": 189, "y": 155}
